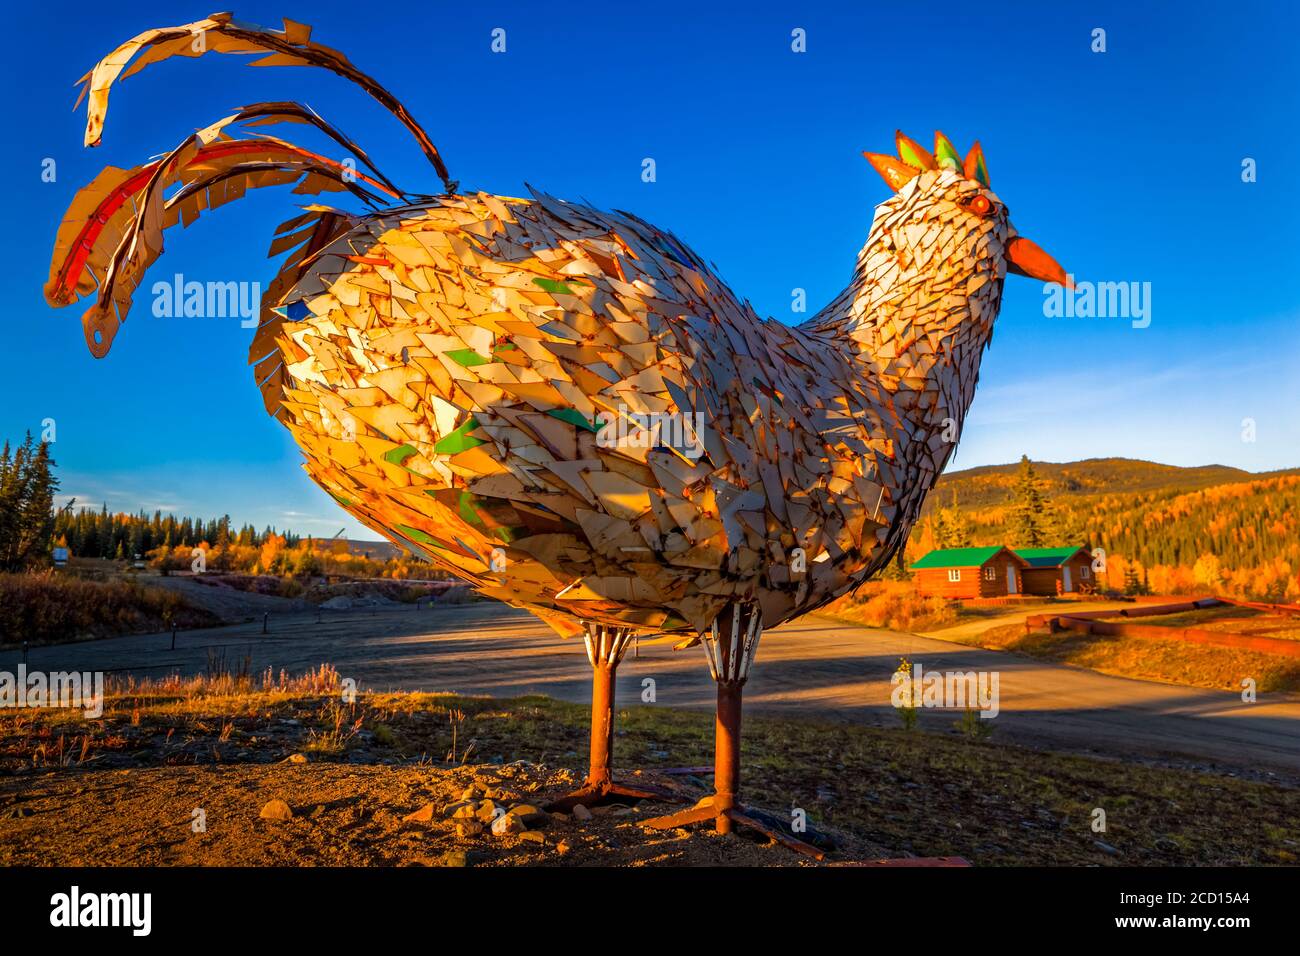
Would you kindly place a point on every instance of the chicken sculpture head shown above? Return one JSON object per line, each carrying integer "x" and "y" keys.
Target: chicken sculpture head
{"x": 566, "y": 407}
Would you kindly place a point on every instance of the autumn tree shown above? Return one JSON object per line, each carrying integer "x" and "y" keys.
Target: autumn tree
{"x": 951, "y": 529}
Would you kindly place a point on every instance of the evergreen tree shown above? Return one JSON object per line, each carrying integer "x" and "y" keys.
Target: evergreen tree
{"x": 36, "y": 519}
{"x": 9, "y": 499}
{"x": 1030, "y": 522}
{"x": 27, "y": 488}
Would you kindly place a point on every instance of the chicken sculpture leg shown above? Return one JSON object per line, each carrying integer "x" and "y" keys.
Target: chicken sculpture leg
{"x": 566, "y": 407}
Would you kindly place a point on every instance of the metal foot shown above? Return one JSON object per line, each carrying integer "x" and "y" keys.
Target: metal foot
{"x": 595, "y": 795}
{"x": 683, "y": 818}
{"x": 704, "y": 812}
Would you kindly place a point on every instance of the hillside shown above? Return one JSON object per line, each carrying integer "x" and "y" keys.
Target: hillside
{"x": 991, "y": 484}
{"x": 1175, "y": 529}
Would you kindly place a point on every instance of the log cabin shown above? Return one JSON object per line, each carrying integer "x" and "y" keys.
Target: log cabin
{"x": 1056, "y": 570}
{"x": 970, "y": 572}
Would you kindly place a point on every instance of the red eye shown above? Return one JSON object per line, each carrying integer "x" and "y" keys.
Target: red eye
{"x": 980, "y": 205}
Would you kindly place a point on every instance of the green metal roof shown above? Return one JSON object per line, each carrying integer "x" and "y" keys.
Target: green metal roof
{"x": 1047, "y": 557}
{"x": 957, "y": 557}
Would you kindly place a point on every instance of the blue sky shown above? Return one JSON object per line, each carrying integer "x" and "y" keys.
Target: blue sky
{"x": 1125, "y": 165}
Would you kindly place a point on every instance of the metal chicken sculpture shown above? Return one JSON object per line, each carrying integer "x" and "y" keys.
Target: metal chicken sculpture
{"x": 566, "y": 407}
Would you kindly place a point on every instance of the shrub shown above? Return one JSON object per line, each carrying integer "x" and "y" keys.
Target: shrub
{"x": 46, "y": 608}
{"x": 895, "y": 605}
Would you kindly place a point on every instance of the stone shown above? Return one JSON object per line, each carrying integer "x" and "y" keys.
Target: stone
{"x": 472, "y": 793}
{"x": 581, "y": 812}
{"x": 1106, "y": 848}
{"x": 530, "y": 814}
{"x": 422, "y": 815}
{"x": 276, "y": 810}
{"x": 507, "y": 823}
{"x": 533, "y": 836}
{"x": 487, "y": 811}
{"x": 464, "y": 811}
{"x": 468, "y": 828}
{"x": 296, "y": 758}
{"x": 455, "y": 858}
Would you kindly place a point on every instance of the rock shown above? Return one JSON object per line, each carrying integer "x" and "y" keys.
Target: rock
{"x": 455, "y": 858}
{"x": 296, "y": 758}
{"x": 581, "y": 812}
{"x": 533, "y": 836}
{"x": 19, "y": 812}
{"x": 464, "y": 811}
{"x": 487, "y": 811}
{"x": 468, "y": 828}
{"x": 507, "y": 823}
{"x": 422, "y": 815}
{"x": 1106, "y": 848}
{"x": 276, "y": 810}
{"x": 530, "y": 814}
{"x": 472, "y": 793}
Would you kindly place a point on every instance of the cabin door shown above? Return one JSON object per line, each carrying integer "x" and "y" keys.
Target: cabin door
{"x": 1011, "y": 579}
{"x": 1065, "y": 578}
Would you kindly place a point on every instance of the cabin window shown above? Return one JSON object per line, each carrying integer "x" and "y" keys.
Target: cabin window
{"x": 954, "y": 574}
{"x": 1085, "y": 572}
{"x": 990, "y": 573}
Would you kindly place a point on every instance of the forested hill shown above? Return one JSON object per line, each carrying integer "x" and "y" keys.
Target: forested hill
{"x": 1179, "y": 529}
{"x": 992, "y": 484}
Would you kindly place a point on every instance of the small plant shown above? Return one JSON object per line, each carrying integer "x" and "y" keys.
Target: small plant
{"x": 972, "y": 725}
{"x": 456, "y": 717}
{"x": 907, "y": 713}
{"x": 339, "y": 731}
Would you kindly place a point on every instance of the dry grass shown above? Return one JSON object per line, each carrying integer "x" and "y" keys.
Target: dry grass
{"x": 47, "y": 607}
{"x": 1172, "y": 661}
{"x": 894, "y": 605}
{"x": 907, "y": 791}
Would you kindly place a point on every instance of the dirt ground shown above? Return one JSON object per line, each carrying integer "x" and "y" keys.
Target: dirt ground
{"x": 345, "y": 815}
{"x": 130, "y": 787}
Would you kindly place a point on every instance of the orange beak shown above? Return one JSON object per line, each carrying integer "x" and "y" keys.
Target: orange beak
{"x": 1025, "y": 258}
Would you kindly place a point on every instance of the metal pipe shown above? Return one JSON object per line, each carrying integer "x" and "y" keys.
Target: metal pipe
{"x": 726, "y": 752}
{"x": 602, "y": 725}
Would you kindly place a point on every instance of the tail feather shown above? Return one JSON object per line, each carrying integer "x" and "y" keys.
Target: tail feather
{"x": 220, "y": 33}
{"x": 113, "y": 230}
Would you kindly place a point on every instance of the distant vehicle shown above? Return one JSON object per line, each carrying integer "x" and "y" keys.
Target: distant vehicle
{"x": 60, "y": 557}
